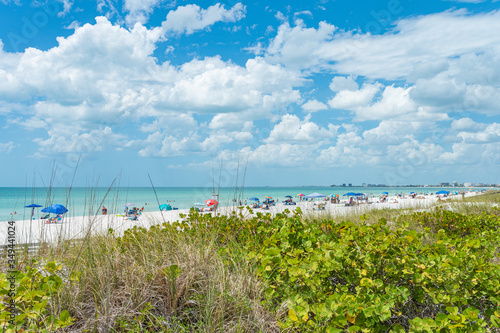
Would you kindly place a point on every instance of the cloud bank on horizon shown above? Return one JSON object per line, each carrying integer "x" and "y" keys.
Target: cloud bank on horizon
{"x": 387, "y": 92}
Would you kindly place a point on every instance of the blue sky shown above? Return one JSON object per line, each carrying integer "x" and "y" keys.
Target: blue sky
{"x": 297, "y": 93}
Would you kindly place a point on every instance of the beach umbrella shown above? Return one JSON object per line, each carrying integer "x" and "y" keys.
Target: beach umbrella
{"x": 412, "y": 192}
{"x": 211, "y": 202}
{"x": 33, "y": 206}
{"x": 267, "y": 197}
{"x": 351, "y": 194}
{"x": 315, "y": 195}
{"x": 165, "y": 207}
{"x": 442, "y": 192}
{"x": 55, "y": 209}
{"x": 301, "y": 195}
{"x": 288, "y": 196}
{"x": 360, "y": 194}
{"x": 254, "y": 199}
{"x": 386, "y": 193}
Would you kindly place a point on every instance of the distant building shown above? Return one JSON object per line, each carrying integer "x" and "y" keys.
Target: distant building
{"x": 444, "y": 184}
{"x": 350, "y": 185}
{"x": 343, "y": 185}
{"x": 468, "y": 184}
{"x": 365, "y": 185}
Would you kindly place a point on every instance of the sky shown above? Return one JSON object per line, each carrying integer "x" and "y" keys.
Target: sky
{"x": 277, "y": 93}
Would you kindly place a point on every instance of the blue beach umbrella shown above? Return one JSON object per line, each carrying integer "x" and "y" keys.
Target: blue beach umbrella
{"x": 350, "y": 194}
{"x": 254, "y": 199}
{"x": 165, "y": 207}
{"x": 386, "y": 193}
{"x": 33, "y": 206}
{"x": 288, "y": 196}
{"x": 443, "y": 192}
{"x": 55, "y": 209}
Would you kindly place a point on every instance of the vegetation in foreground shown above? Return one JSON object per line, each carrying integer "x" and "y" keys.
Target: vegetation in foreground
{"x": 435, "y": 271}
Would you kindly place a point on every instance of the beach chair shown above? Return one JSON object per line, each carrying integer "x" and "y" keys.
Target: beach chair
{"x": 45, "y": 217}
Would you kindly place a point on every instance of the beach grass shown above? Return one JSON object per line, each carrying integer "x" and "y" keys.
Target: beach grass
{"x": 162, "y": 282}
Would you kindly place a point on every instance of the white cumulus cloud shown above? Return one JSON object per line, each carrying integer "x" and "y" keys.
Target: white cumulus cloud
{"x": 293, "y": 130}
{"x": 190, "y": 18}
{"x": 139, "y": 10}
{"x": 313, "y": 106}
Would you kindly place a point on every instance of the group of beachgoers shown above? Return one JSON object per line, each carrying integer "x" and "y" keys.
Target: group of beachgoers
{"x": 133, "y": 213}
{"x": 208, "y": 209}
{"x": 264, "y": 205}
{"x": 358, "y": 199}
{"x": 50, "y": 220}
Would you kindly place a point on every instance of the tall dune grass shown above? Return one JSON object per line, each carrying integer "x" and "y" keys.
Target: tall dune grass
{"x": 165, "y": 283}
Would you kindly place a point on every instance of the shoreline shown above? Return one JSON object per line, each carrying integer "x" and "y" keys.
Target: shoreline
{"x": 78, "y": 227}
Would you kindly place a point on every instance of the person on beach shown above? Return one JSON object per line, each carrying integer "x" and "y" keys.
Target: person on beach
{"x": 104, "y": 210}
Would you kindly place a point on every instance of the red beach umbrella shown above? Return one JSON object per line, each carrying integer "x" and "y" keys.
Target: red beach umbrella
{"x": 211, "y": 202}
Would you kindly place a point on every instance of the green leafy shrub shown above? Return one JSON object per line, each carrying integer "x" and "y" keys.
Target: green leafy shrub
{"x": 371, "y": 278}
{"x": 35, "y": 288}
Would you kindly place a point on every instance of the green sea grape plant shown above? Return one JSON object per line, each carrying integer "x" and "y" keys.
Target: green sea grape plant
{"x": 433, "y": 272}
{"x": 35, "y": 289}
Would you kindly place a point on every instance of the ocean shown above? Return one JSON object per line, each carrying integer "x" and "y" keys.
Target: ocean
{"x": 88, "y": 201}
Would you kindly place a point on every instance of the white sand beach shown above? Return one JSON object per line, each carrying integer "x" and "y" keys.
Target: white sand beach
{"x": 71, "y": 228}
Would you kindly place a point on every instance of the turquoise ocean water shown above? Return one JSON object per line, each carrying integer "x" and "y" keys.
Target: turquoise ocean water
{"x": 88, "y": 201}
